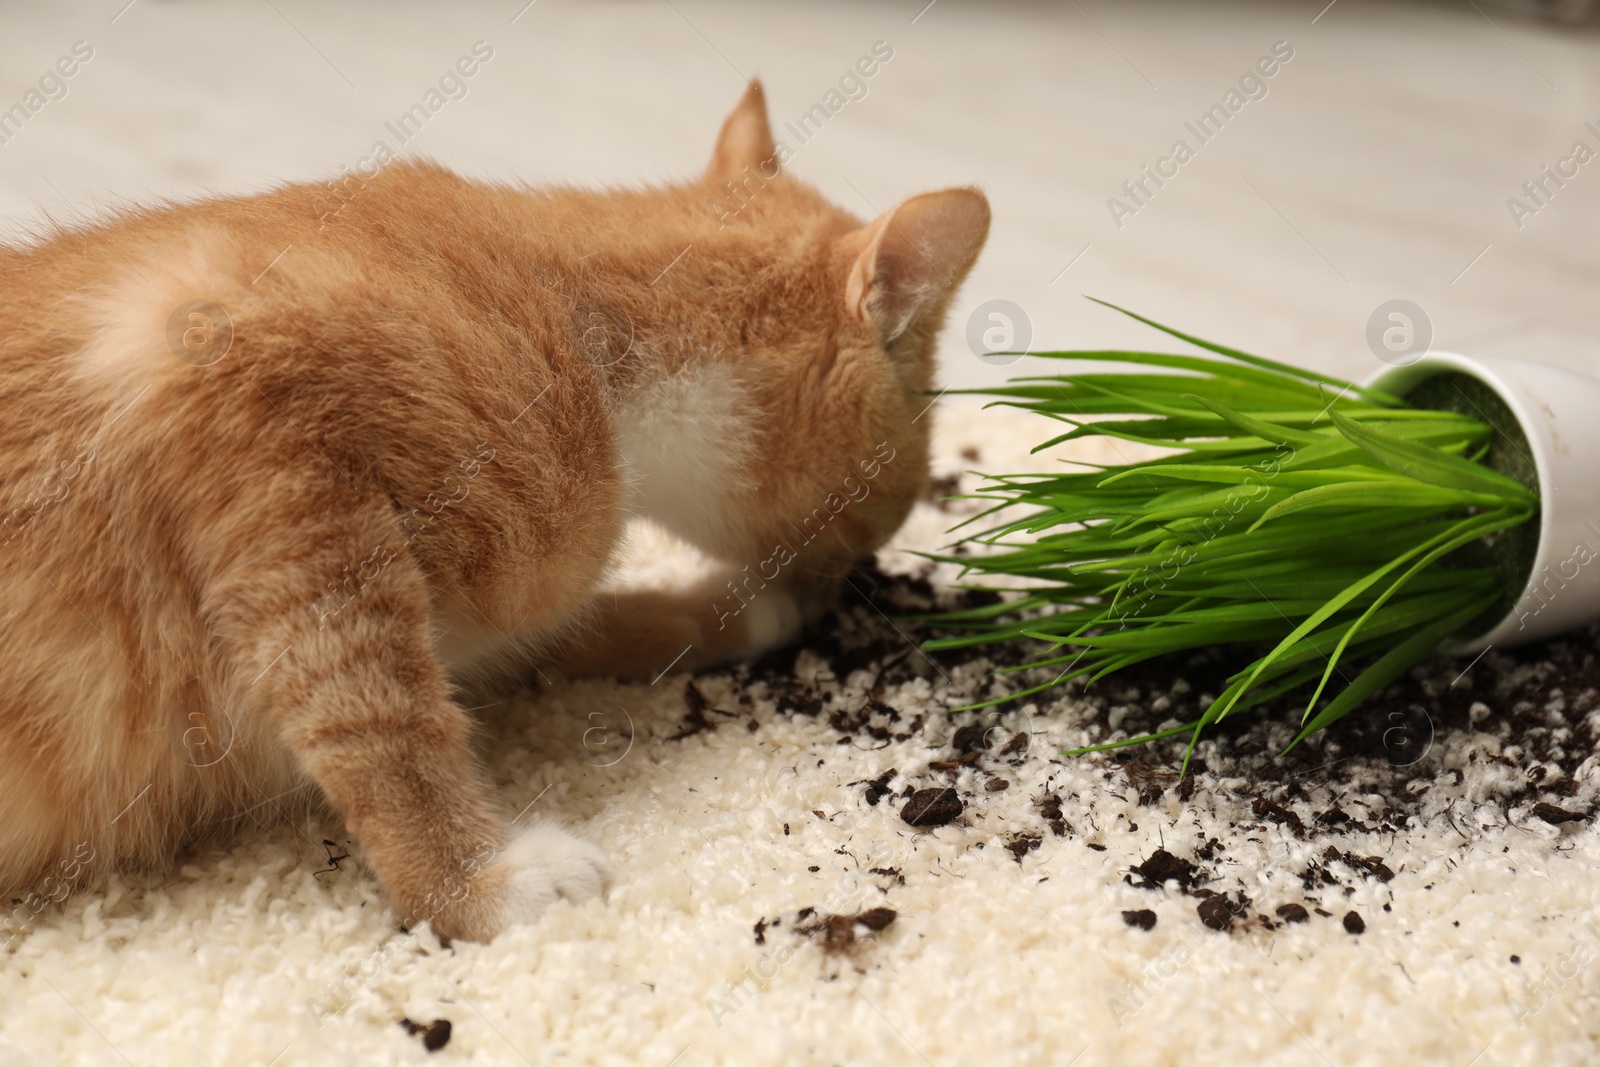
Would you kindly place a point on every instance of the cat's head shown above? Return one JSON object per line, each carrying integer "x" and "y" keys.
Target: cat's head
{"x": 833, "y": 372}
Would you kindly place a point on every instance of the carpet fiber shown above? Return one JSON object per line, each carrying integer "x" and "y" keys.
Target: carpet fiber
{"x": 1418, "y": 885}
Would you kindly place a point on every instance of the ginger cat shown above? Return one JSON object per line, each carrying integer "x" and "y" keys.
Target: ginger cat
{"x": 283, "y": 468}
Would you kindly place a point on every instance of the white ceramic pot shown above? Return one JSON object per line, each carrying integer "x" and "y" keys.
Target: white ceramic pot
{"x": 1559, "y": 413}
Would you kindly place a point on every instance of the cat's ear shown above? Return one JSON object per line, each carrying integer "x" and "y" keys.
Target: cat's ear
{"x": 746, "y": 139}
{"x": 912, "y": 258}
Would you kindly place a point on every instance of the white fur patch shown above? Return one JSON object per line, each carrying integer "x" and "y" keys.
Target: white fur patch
{"x": 547, "y": 863}
{"x": 686, "y": 447}
{"x": 772, "y": 620}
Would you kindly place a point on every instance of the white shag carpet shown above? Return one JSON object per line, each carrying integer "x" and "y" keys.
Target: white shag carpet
{"x": 1017, "y": 932}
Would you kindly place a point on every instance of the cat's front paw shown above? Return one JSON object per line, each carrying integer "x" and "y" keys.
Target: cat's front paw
{"x": 772, "y": 620}
{"x": 545, "y": 862}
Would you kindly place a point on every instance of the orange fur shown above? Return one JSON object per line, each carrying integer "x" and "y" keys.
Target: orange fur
{"x": 230, "y": 586}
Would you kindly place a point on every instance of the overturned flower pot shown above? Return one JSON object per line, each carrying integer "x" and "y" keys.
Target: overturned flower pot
{"x": 1547, "y": 436}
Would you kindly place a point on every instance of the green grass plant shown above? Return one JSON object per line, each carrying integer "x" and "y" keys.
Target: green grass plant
{"x": 1313, "y": 526}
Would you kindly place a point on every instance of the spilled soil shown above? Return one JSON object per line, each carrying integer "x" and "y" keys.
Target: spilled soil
{"x": 1523, "y": 721}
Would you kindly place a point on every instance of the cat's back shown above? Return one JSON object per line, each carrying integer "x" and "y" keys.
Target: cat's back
{"x": 155, "y": 324}
{"x": 174, "y": 375}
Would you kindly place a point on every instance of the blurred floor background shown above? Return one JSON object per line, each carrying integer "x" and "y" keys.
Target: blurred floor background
{"x": 1378, "y": 163}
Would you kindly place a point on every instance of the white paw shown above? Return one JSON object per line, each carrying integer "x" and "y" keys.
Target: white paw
{"x": 547, "y": 862}
{"x": 771, "y": 621}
